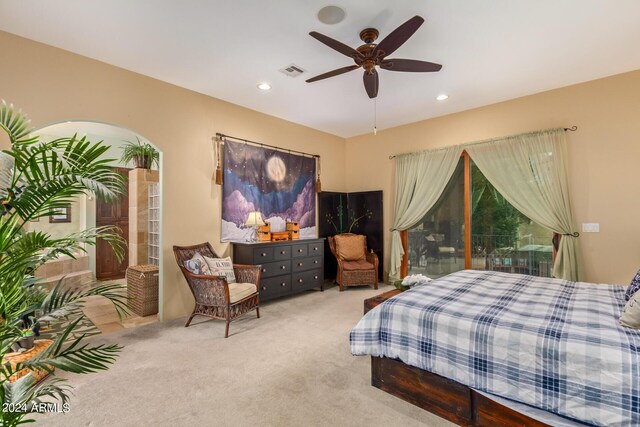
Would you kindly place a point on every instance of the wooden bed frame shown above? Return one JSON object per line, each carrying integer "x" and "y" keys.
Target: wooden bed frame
{"x": 444, "y": 397}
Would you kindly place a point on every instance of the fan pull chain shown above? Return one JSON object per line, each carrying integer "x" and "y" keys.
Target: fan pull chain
{"x": 375, "y": 116}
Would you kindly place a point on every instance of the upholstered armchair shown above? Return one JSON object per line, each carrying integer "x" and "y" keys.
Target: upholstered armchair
{"x": 356, "y": 265}
{"x": 215, "y": 298}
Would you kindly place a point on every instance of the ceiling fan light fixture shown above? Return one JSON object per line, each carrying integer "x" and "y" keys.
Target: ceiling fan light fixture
{"x": 442, "y": 97}
{"x": 264, "y": 86}
{"x": 331, "y": 15}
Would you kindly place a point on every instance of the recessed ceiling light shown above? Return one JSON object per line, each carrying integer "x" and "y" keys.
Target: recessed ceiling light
{"x": 331, "y": 15}
{"x": 442, "y": 97}
{"x": 264, "y": 86}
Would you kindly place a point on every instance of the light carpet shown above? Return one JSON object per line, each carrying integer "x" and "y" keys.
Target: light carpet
{"x": 291, "y": 367}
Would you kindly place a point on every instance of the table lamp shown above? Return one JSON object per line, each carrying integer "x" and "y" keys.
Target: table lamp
{"x": 254, "y": 220}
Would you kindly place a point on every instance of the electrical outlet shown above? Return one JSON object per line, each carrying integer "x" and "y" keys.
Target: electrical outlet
{"x": 591, "y": 227}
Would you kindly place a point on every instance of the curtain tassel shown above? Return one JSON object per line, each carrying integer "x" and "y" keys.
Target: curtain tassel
{"x": 318, "y": 183}
{"x": 218, "y": 155}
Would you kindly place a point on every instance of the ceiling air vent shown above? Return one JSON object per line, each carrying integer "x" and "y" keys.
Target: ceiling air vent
{"x": 292, "y": 70}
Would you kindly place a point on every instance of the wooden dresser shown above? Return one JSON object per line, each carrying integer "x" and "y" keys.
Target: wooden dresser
{"x": 287, "y": 267}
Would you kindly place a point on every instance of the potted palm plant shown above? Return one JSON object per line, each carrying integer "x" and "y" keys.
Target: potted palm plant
{"x": 38, "y": 178}
{"x": 142, "y": 154}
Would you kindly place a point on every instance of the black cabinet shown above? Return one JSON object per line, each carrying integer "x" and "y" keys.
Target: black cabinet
{"x": 287, "y": 267}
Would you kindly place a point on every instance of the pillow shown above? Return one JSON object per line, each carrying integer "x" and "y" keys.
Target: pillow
{"x": 221, "y": 267}
{"x": 197, "y": 264}
{"x": 350, "y": 248}
{"x": 634, "y": 286}
{"x": 631, "y": 312}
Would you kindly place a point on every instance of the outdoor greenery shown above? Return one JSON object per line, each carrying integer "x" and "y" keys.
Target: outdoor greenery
{"x": 38, "y": 178}
{"x": 141, "y": 153}
{"x": 492, "y": 215}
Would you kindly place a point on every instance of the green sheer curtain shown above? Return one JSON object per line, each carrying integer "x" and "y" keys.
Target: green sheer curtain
{"x": 530, "y": 171}
{"x": 420, "y": 180}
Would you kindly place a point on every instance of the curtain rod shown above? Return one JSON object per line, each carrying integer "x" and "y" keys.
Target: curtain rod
{"x": 221, "y": 136}
{"x": 569, "y": 129}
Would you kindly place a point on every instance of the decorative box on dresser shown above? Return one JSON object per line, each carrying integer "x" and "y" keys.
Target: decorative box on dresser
{"x": 288, "y": 267}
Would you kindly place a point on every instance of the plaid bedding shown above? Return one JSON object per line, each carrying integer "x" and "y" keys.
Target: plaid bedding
{"x": 549, "y": 343}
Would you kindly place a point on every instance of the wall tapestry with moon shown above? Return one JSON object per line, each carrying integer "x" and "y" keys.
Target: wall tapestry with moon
{"x": 278, "y": 184}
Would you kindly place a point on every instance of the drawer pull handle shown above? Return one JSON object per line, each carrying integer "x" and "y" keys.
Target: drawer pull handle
{"x": 299, "y": 264}
{"x": 300, "y": 250}
{"x": 315, "y": 262}
{"x": 263, "y": 254}
{"x": 284, "y": 267}
{"x": 299, "y": 280}
{"x": 283, "y": 252}
{"x": 315, "y": 277}
{"x": 315, "y": 248}
{"x": 283, "y": 284}
{"x": 264, "y": 288}
{"x": 264, "y": 270}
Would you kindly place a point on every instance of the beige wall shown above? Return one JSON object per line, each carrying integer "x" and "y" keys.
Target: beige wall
{"x": 604, "y": 155}
{"x": 53, "y": 85}
{"x": 60, "y": 229}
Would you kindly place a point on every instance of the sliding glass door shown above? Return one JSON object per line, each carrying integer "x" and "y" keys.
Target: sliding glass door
{"x": 436, "y": 243}
{"x": 500, "y": 239}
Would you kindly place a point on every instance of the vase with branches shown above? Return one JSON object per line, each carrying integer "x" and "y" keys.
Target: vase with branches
{"x": 37, "y": 178}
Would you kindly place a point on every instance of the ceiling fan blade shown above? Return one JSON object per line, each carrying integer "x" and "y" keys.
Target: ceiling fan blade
{"x": 335, "y": 72}
{"x": 335, "y": 45}
{"x": 371, "y": 83}
{"x": 410, "y": 65}
{"x": 398, "y": 36}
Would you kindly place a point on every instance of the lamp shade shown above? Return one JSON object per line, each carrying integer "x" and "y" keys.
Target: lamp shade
{"x": 254, "y": 219}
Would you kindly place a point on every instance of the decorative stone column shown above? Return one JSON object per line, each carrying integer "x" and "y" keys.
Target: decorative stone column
{"x": 139, "y": 181}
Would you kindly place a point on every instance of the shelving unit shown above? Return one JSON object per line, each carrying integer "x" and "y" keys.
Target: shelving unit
{"x": 154, "y": 224}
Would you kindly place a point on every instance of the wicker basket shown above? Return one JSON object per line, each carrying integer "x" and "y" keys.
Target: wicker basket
{"x": 15, "y": 358}
{"x": 142, "y": 289}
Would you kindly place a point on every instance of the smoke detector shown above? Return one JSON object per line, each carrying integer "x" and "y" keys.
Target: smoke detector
{"x": 292, "y": 70}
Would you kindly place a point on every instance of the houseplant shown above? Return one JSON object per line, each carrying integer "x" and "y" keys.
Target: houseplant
{"x": 39, "y": 177}
{"x": 142, "y": 154}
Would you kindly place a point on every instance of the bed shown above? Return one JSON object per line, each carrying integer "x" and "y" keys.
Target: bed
{"x": 550, "y": 344}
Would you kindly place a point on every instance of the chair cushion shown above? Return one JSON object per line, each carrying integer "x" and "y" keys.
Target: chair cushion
{"x": 238, "y": 291}
{"x": 446, "y": 250}
{"x": 221, "y": 267}
{"x": 634, "y": 286}
{"x": 350, "y": 248}
{"x": 197, "y": 264}
{"x": 360, "y": 264}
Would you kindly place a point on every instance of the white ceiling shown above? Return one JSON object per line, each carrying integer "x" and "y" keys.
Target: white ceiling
{"x": 491, "y": 50}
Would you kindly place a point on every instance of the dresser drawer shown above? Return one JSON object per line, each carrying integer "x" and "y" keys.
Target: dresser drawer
{"x": 282, "y": 252}
{"x": 262, "y": 255}
{"x": 316, "y": 249}
{"x": 276, "y": 268}
{"x": 302, "y": 264}
{"x": 274, "y": 287}
{"x": 306, "y": 280}
{"x": 298, "y": 251}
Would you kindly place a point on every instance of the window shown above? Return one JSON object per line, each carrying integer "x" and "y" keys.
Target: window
{"x": 500, "y": 238}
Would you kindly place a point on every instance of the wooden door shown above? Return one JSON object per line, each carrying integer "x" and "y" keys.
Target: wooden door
{"x": 113, "y": 213}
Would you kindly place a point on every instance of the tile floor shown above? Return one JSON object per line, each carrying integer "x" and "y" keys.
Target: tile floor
{"x": 104, "y": 316}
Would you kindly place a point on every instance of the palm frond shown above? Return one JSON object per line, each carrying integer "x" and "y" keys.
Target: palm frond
{"x": 15, "y": 124}
{"x": 63, "y": 301}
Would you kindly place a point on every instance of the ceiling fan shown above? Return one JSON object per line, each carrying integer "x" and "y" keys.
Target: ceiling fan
{"x": 370, "y": 54}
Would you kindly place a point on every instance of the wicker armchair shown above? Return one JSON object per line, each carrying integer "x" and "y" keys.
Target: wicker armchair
{"x": 212, "y": 294}
{"x": 361, "y": 272}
